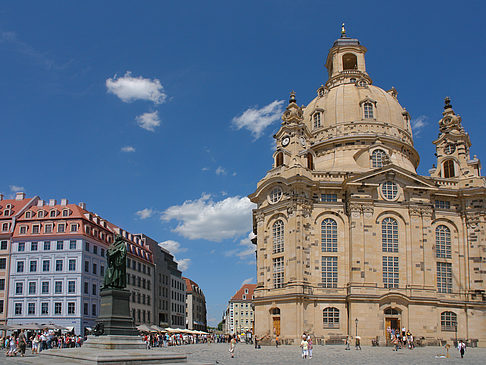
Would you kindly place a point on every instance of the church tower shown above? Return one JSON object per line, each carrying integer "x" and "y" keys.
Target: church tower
{"x": 350, "y": 239}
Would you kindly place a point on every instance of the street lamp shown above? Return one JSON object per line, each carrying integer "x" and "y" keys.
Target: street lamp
{"x": 356, "y": 321}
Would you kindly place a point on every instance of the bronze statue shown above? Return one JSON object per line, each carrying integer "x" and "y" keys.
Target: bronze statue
{"x": 116, "y": 274}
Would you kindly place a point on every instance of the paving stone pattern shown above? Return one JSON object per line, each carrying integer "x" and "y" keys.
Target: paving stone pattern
{"x": 290, "y": 355}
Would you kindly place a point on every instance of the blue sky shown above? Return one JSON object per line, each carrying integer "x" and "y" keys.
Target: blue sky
{"x": 160, "y": 114}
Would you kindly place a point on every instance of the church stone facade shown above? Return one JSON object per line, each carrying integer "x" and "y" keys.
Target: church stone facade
{"x": 350, "y": 239}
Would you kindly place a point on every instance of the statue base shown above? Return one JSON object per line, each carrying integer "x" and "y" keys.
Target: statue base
{"x": 115, "y": 312}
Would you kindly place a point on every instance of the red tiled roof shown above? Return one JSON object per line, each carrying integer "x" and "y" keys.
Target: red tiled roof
{"x": 239, "y": 294}
{"x": 190, "y": 284}
{"x": 16, "y": 206}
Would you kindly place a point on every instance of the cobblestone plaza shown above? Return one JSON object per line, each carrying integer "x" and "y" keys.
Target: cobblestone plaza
{"x": 289, "y": 355}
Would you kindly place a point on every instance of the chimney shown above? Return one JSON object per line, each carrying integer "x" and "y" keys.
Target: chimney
{"x": 52, "y": 202}
{"x": 82, "y": 205}
{"x": 64, "y": 202}
{"x": 40, "y": 203}
{"x": 20, "y": 196}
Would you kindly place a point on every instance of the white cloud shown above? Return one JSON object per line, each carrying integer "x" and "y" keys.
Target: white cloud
{"x": 418, "y": 124}
{"x": 205, "y": 169}
{"x": 247, "y": 281}
{"x": 213, "y": 221}
{"x": 129, "y": 88}
{"x": 183, "y": 264}
{"x": 256, "y": 120}
{"x": 128, "y": 149}
{"x": 220, "y": 171}
{"x": 172, "y": 246}
{"x": 145, "y": 213}
{"x": 246, "y": 249}
{"x": 149, "y": 121}
{"x": 15, "y": 188}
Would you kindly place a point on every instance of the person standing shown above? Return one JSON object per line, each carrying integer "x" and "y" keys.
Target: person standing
{"x": 309, "y": 342}
{"x": 232, "y": 346}
{"x": 358, "y": 343}
{"x": 462, "y": 348}
{"x": 347, "y": 343}
{"x": 22, "y": 343}
{"x": 305, "y": 347}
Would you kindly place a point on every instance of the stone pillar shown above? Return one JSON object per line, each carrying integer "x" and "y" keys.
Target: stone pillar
{"x": 115, "y": 312}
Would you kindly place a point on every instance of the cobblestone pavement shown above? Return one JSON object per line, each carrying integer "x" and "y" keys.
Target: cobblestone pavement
{"x": 290, "y": 355}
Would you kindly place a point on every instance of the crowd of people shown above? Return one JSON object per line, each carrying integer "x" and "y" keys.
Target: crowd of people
{"x": 400, "y": 339}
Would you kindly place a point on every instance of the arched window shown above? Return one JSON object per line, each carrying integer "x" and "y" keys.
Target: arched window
{"x": 377, "y": 158}
{"x": 317, "y": 120}
{"x": 275, "y": 311}
{"x": 279, "y": 159}
{"x": 448, "y": 321}
{"x": 389, "y": 235}
{"x": 391, "y": 312}
{"x": 310, "y": 161}
{"x": 449, "y": 169}
{"x": 329, "y": 235}
{"x": 350, "y": 61}
{"x": 368, "y": 110}
{"x": 330, "y": 317}
{"x": 443, "y": 242}
{"x": 278, "y": 236}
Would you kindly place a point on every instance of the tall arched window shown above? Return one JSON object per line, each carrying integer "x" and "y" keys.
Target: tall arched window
{"x": 449, "y": 169}
{"x": 329, "y": 235}
{"x": 368, "y": 110}
{"x": 448, "y": 321}
{"x": 330, "y": 317}
{"x": 377, "y": 158}
{"x": 317, "y": 120}
{"x": 278, "y": 236}
{"x": 350, "y": 61}
{"x": 310, "y": 161}
{"x": 443, "y": 242}
{"x": 279, "y": 159}
{"x": 389, "y": 235}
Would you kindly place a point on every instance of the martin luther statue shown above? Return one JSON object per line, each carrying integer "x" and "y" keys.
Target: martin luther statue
{"x": 116, "y": 274}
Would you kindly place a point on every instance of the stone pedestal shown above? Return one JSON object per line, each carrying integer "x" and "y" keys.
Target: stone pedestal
{"x": 115, "y": 312}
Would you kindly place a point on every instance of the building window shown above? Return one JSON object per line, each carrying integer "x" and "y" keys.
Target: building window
{"x": 19, "y": 288}
{"x": 350, "y": 61}
{"x": 48, "y": 228}
{"x": 5, "y": 227}
{"x": 71, "y": 286}
{"x": 449, "y": 169}
{"x": 442, "y": 204}
{"x": 31, "y": 308}
{"x": 44, "y": 308}
{"x": 443, "y": 242}
{"x": 72, "y": 245}
{"x": 35, "y": 229}
{"x": 40, "y": 214}
{"x": 310, "y": 161}
{"x": 2, "y": 284}
{"x": 23, "y": 230}
{"x": 33, "y": 246}
{"x": 57, "y": 308}
{"x": 93, "y": 289}
{"x": 32, "y": 287}
{"x": 329, "y": 198}
{"x": 389, "y": 235}
{"x": 86, "y": 266}
{"x": 18, "y": 309}
{"x": 275, "y": 195}
{"x": 72, "y": 265}
{"x": 93, "y": 310}
{"x": 317, "y": 120}
{"x": 86, "y": 287}
{"x": 390, "y": 271}
{"x": 58, "y": 287}
{"x": 95, "y": 249}
{"x": 377, "y": 158}
{"x": 86, "y": 246}
{"x": 444, "y": 277}
{"x": 95, "y": 269}
{"x": 60, "y": 245}
{"x": 58, "y": 265}
{"x": 52, "y": 213}
{"x": 21, "y": 247}
{"x": 279, "y": 159}
{"x": 448, "y": 321}
{"x": 65, "y": 213}
{"x": 33, "y": 266}
{"x": 329, "y": 271}
{"x": 278, "y": 236}
{"x": 74, "y": 227}
{"x": 45, "y": 287}
{"x": 3, "y": 245}
{"x": 45, "y": 265}
{"x": 47, "y": 246}
{"x": 20, "y": 266}
{"x": 330, "y": 317}
{"x": 389, "y": 190}
{"x": 329, "y": 235}
{"x": 102, "y": 271}
{"x": 368, "y": 110}
{"x": 103, "y": 254}
{"x": 61, "y": 228}
{"x": 3, "y": 263}
{"x": 278, "y": 272}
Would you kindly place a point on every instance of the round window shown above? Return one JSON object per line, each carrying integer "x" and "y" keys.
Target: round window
{"x": 275, "y": 195}
{"x": 389, "y": 190}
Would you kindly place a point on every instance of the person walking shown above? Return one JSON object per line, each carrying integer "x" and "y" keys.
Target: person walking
{"x": 276, "y": 342}
{"x": 22, "y": 343}
{"x": 358, "y": 343}
{"x": 347, "y": 343}
{"x": 462, "y": 348}
{"x": 309, "y": 342}
{"x": 232, "y": 346}
{"x": 305, "y": 347}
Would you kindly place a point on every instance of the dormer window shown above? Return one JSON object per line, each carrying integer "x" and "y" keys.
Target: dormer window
{"x": 28, "y": 214}
{"x": 40, "y": 214}
{"x": 368, "y": 110}
{"x": 449, "y": 169}
{"x": 52, "y": 213}
{"x": 317, "y": 120}
{"x": 65, "y": 213}
{"x": 377, "y": 158}
{"x": 6, "y": 212}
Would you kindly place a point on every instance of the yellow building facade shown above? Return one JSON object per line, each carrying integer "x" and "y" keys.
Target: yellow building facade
{"x": 350, "y": 239}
